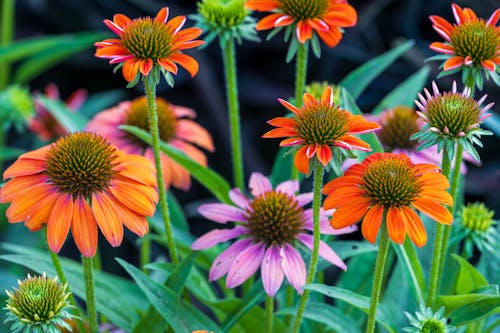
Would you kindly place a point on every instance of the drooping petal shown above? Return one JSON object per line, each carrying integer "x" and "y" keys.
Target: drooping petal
{"x": 59, "y": 222}
{"x": 324, "y": 154}
{"x": 280, "y": 133}
{"x": 25, "y": 200}
{"x": 396, "y": 225}
{"x": 324, "y": 250}
{"x": 268, "y": 22}
{"x": 239, "y": 198}
{"x": 107, "y": 217}
{"x": 186, "y": 61}
{"x": 331, "y": 37}
{"x": 271, "y": 271}
{"x": 434, "y": 210}
{"x": 168, "y": 65}
{"x": 351, "y": 142}
{"x": 341, "y": 182}
{"x": 341, "y": 15}
{"x": 453, "y": 63}
{"x": 13, "y": 187}
{"x": 293, "y": 266}
{"x": 222, "y": 213}
{"x": 84, "y": 228}
{"x": 350, "y": 213}
{"x": 246, "y": 263}
{"x": 442, "y": 48}
{"x": 24, "y": 167}
{"x": 146, "y": 66}
{"x": 304, "y": 31}
{"x": 259, "y": 184}
{"x": 414, "y": 227}
{"x": 301, "y": 161}
{"x": 289, "y": 187}
{"x": 193, "y": 132}
{"x": 137, "y": 197}
{"x": 217, "y": 236}
{"x": 134, "y": 222}
{"x": 39, "y": 212}
{"x": 130, "y": 69}
{"x": 371, "y": 223}
{"x": 341, "y": 196}
{"x": 440, "y": 196}
{"x": 223, "y": 262}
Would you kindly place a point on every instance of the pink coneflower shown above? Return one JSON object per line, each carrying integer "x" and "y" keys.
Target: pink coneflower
{"x": 174, "y": 129}
{"x": 268, "y": 225}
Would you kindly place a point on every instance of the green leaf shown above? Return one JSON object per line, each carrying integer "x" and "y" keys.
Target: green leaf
{"x": 405, "y": 93}
{"x": 282, "y": 166}
{"x": 474, "y": 311}
{"x": 406, "y": 254}
{"x": 357, "y": 81}
{"x": 177, "y": 213}
{"x": 181, "y": 316}
{"x": 453, "y": 302}
{"x": 8, "y": 153}
{"x": 359, "y": 301}
{"x": 71, "y": 121}
{"x": 469, "y": 278}
{"x": 326, "y": 314}
{"x": 348, "y": 249}
{"x": 214, "y": 182}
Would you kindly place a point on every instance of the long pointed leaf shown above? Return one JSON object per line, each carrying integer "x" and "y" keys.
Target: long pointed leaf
{"x": 71, "y": 121}
{"x": 406, "y": 254}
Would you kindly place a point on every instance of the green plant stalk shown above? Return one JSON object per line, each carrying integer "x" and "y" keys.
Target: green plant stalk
{"x": 269, "y": 314}
{"x": 317, "y": 185}
{"x": 300, "y": 84}
{"x": 7, "y": 23}
{"x": 145, "y": 253}
{"x": 229, "y": 60}
{"x": 88, "y": 274}
{"x": 438, "y": 242}
{"x": 378, "y": 278}
{"x": 150, "y": 89}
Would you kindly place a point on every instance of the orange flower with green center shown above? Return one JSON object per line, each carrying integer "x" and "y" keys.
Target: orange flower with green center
{"x": 326, "y": 17}
{"x": 391, "y": 185}
{"x": 146, "y": 42}
{"x": 318, "y": 127}
{"x": 81, "y": 182}
{"x": 471, "y": 42}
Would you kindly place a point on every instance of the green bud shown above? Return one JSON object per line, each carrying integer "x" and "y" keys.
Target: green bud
{"x": 223, "y": 14}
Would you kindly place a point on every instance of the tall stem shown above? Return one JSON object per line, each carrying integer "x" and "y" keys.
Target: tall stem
{"x": 150, "y": 89}
{"x": 317, "y": 184}
{"x": 89, "y": 291}
{"x": 438, "y": 243}
{"x": 269, "y": 314}
{"x": 229, "y": 59}
{"x": 7, "y": 22}
{"x": 378, "y": 279}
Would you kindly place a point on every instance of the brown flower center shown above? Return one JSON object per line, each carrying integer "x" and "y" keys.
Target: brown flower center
{"x": 81, "y": 163}
{"x": 397, "y": 128}
{"x": 275, "y": 218}
{"x": 147, "y": 38}
{"x": 475, "y": 39}
{"x": 303, "y": 10}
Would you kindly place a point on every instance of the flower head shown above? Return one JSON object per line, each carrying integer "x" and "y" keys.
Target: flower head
{"x": 174, "y": 129}
{"x": 471, "y": 42}
{"x": 390, "y": 184}
{"x": 426, "y": 321}
{"x": 16, "y": 107}
{"x": 81, "y": 182}
{"x": 39, "y": 304}
{"x": 317, "y": 128}
{"x": 146, "y": 43}
{"x": 268, "y": 225}
{"x": 451, "y": 117}
{"x": 44, "y": 123}
{"x": 325, "y": 17}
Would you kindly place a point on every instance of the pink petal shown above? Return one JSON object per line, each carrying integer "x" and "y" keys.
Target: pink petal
{"x": 324, "y": 250}
{"x": 259, "y": 184}
{"x": 271, "y": 271}
{"x": 245, "y": 264}
{"x": 304, "y": 199}
{"x": 289, "y": 187}
{"x": 224, "y": 261}
{"x": 293, "y": 266}
{"x": 222, "y": 213}
{"x": 239, "y": 198}
{"x": 217, "y": 236}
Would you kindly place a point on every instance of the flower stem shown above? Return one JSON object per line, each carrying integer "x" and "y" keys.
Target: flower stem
{"x": 145, "y": 254}
{"x": 90, "y": 294}
{"x": 378, "y": 278}
{"x": 7, "y": 12}
{"x": 150, "y": 89}
{"x": 438, "y": 243}
{"x": 300, "y": 85}
{"x": 229, "y": 60}
{"x": 269, "y": 314}
{"x": 317, "y": 184}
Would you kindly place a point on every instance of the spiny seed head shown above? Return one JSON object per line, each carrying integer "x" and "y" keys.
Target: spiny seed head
{"x": 477, "y": 217}
{"x": 38, "y": 301}
{"x": 81, "y": 163}
{"x": 453, "y": 113}
{"x": 303, "y": 10}
{"x": 275, "y": 218}
{"x": 223, "y": 14}
{"x": 147, "y": 38}
{"x": 398, "y": 125}
{"x": 426, "y": 321}
{"x": 391, "y": 182}
{"x": 476, "y": 39}
{"x": 322, "y": 123}
{"x": 138, "y": 116}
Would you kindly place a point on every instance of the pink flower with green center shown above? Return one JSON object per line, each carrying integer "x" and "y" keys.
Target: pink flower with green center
{"x": 269, "y": 226}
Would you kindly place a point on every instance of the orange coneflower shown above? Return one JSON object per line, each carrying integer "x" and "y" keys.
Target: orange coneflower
{"x": 472, "y": 41}
{"x": 326, "y": 17}
{"x": 390, "y": 184}
{"x": 145, "y": 42}
{"x": 81, "y": 182}
{"x": 317, "y": 127}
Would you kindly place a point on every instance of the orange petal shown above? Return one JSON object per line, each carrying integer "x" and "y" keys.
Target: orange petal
{"x": 130, "y": 69}
{"x": 84, "y": 228}
{"x": 422, "y": 168}
{"x": 318, "y": 24}
{"x": 371, "y": 223}
{"x": 488, "y": 64}
{"x": 433, "y": 180}
{"x": 137, "y": 168}
{"x": 146, "y": 66}
{"x": 358, "y": 125}
{"x": 289, "y": 106}
{"x": 25, "y": 167}
{"x": 350, "y": 142}
{"x": 137, "y": 197}
{"x": 121, "y": 20}
{"x": 340, "y": 196}
{"x": 282, "y": 122}
{"x": 111, "y": 51}
{"x": 441, "y": 24}
{"x": 291, "y": 142}
{"x": 442, "y": 48}
{"x": 168, "y": 64}
{"x": 191, "y": 151}
{"x": 396, "y": 225}
{"x": 263, "y": 5}
{"x": 309, "y": 99}
{"x": 180, "y": 176}
{"x": 25, "y": 200}
{"x": 59, "y": 222}
{"x": 350, "y": 213}
{"x": 327, "y": 96}
{"x": 176, "y": 23}
{"x": 301, "y": 161}
{"x": 134, "y": 222}
{"x": 434, "y": 210}
{"x": 304, "y": 31}
{"x": 440, "y": 196}
{"x": 37, "y": 154}
{"x": 162, "y": 15}
{"x": 324, "y": 154}
{"x": 341, "y": 182}
{"x": 280, "y": 133}
{"x": 188, "y": 62}
{"x": 414, "y": 227}
{"x": 39, "y": 213}
{"x": 341, "y": 15}
{"x": 268, "y": 21}
{"x": 107, "y": 218}
{"x": 13, "y": 187}
{"x": 193, "y": 132}
{"x": 331, "y": 37}
{"x": 453, "y": 63}
{"x": 187, "y": 35}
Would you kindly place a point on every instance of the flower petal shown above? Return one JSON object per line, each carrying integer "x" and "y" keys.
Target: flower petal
{"x": 414, "y": 227}
{"x": 301, "y": 161}
{"x": 259, "y": 184}
{"x": 268, "y": 22}
{"x": 442, "y": 48}
{"x": 289, "y": 187}
{"x": 130, "y": 69}
{"x": 239, "y": 198}
{"x": 194, "y": 133}
{"x": 137, "y": 197}
{"x": 217, "y": 236}
{"x": 223, "y": 262}
{"x": 289, "y": 106}
{"x": 13, "y": 187}
{"x": 396, "y": 225}
{"x": 246, "y": 263}
{"x": 350, "y": 213}
{"x": 271, "y": 271}
{"x": 186, "y": 61}
{"x": 84, "y": 228}
{"x": 434, "y": 210}
{"x": 324, "y": 154}
{"x": 59, "y": 222}
{"x": 304, "y": 31}
{"x": 371, "y": 223}
{"x": 293, "y": 266}
{"x": 222, "y": 213}
{"x": 25, "y": 200}
{"x": 107, "y": 217}
{"x": 453, "y": 63}
{"x": 324, "y": 250}
{"x": 24, "y": 167}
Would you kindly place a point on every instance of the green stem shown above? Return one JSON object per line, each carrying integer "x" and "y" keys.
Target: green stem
{"x": 269, "y": 314}
{"x": 7, "y": 21}
{"x": 378, "y": 278}
{"x": 317, "y": 184}
{"x": 145, "y": 253}
{"x": 150, "y": 89}
{"x": 300, "y": 84}
{"x": 438, "y": 243}
{"x": 229, "y": 59}
{"x": 90, "y": 294}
